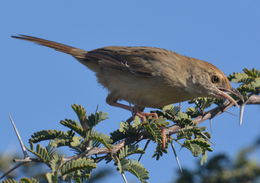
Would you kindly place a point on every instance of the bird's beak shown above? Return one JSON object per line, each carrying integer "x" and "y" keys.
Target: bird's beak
{"x": 223, "y": 92}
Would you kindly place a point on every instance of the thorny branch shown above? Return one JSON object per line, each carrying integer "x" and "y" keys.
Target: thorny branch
{"x": 254, "y": 99}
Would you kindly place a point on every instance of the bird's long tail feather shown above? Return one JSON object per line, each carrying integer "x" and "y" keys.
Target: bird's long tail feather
{"x": 76, "y": 52}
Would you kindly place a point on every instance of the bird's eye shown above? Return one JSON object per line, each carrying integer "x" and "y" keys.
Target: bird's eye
{"x": 215, "y": 79}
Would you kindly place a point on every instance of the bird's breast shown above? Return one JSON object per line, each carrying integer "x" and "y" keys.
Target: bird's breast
{"x": 142, "y": 91}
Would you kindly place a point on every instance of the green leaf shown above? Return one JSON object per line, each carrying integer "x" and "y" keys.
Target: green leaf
{"x": 43, "y": 153}
{"x": 118, "y": 135}
{"x": 136, "y": 123}
{"x": 55, "y": 162}
{"x": 154, "y": 132}
{"x": 96, "y": 118}
{"x": 204, "y": 159}
{"x": 49, "y": 135}
{"x": 124, "y": 126}
{"x": 168, "y": 108}
{"x": 100, "y": 137}
{"x": 158, "y": 153}
{"x": 136, "y": 168}
{"x": 27, "y": 180}
{"x": 82, "y": 115}
{"x": 238, "y": 77}
{"x": 52, "y": 177}
{"x": 256, "y": 83}
{"x": 60, "y": 142}
{"x": 169, "y": 111}
{"x": 183, "y": 119}
{"x": 161, "y": 122}
{"x": 252, "y": 73}
{"x": 249, "y": 81}
{"x": 76, "y": 141}
{"x": 197, "y": 146}
{"x": 9, "y": 181}
{"x": 129, "y": 150}
{"x": 73, "y": 125}
{"x": 77, "y": 164}
{"x": 202, "y": 103}
{"x": 22, "y": 180}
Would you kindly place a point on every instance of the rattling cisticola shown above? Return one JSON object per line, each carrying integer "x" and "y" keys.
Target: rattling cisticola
{"x": 147, "y": 76}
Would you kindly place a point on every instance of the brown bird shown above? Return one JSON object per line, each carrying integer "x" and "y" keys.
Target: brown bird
{"x": 147, "y": 76}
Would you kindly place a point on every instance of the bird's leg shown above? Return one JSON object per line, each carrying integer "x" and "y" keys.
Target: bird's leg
{"x": 112, "y": 100}
{"x": 136, "y": 111}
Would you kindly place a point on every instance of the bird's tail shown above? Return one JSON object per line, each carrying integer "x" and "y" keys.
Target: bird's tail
{"x": 76, "y": 52}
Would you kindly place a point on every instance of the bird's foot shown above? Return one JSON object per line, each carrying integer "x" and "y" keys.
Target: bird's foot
{"x": 143, "y": 115}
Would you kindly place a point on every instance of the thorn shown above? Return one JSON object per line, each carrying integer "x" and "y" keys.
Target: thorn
{"x": 124, "y": 177}
{"x": 241, "y": 113}
{"x": 145, "y": 146}
{"x": 176, "y": 157}
{"x": 25, "y": 154}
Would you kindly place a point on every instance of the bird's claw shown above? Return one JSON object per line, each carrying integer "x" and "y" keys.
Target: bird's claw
{"x": 143, "y": 115}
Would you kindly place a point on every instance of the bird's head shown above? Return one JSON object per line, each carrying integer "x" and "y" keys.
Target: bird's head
{"x": 213, "y": 82}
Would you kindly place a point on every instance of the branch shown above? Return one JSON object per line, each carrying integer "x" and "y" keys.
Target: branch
{"x": 254, "y": 99}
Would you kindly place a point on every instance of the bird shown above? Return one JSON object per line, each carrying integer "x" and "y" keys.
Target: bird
{"x": 147, "y": 76}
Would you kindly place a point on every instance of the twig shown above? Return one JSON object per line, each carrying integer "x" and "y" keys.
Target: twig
{"x": 12, "y": 169}
{"x": 27, "y": 160}
{"x": 145, "y": 146}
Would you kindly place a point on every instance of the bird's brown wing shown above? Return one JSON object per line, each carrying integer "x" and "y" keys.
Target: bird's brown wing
{"x": 137, "y": 60}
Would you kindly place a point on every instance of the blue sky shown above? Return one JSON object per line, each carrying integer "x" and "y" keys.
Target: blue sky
{"x": 38, "y": 85}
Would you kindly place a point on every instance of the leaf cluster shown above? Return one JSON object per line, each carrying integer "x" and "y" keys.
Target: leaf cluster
{"x": 248, "y": 80}
{"x": 223, "y": 169}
